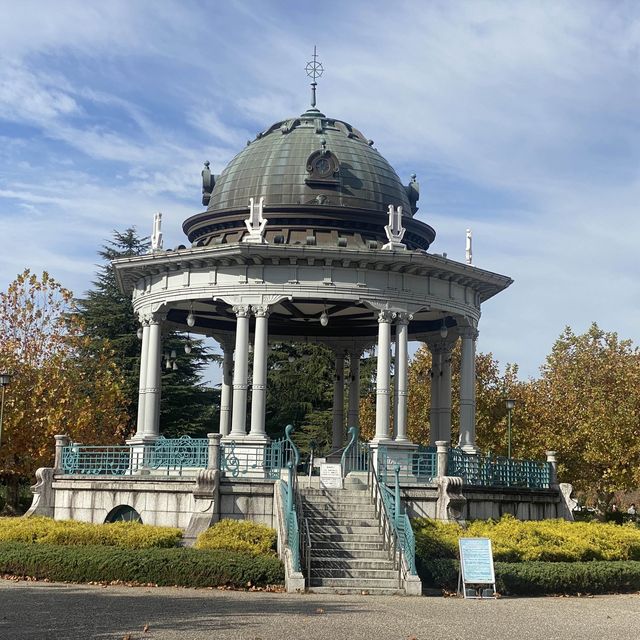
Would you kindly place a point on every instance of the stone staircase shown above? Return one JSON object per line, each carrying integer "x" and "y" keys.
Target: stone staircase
{"x": 348, "y": 554}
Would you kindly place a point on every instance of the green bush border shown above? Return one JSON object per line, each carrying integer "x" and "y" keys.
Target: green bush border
{"x": 164, "y": 567}
{"x": 544, "y": 578}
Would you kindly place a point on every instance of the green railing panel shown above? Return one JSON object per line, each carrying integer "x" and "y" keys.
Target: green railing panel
{"x": 237, "y": 461}
{"x": 117, "y": 460}
{"x": 498, "y": 471}
{"x": 183, "y": 452}
{"x": 355, "y": 456}
{"x": 416, "y": 467}
{"x": 291, "y": 518}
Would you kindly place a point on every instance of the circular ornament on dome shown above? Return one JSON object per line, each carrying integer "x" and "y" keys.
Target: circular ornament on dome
{"x": 323, "y": 168}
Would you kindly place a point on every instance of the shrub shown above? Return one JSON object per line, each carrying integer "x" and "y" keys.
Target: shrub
{"x": 544, "y": 578}
{"x": 164, "y": 567}
{"x": 129, "y": 535}
{"x": 239, "y": 535}
{"x": 541, "y": 540}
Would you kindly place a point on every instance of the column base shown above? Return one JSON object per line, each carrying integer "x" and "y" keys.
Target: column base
{"x": 143, "y": 439}
{"x": 470, "y": 449}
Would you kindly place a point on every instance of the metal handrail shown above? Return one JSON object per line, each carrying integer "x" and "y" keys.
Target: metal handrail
{"x": 389, "y": 531}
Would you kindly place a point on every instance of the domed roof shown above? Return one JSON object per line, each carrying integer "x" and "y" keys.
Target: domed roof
{"x": 278, "y": 166}
{"x": 320, "y": 182}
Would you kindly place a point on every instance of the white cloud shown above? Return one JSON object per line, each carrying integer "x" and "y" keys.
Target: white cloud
{"x": 520, "y": 120}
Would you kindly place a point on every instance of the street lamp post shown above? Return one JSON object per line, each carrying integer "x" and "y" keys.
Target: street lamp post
{"x": 5, "y": 379}
{"x": 510, "y": 407}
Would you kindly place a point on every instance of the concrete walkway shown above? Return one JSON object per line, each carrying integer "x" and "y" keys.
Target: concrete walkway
{"x": 38, "y": 611}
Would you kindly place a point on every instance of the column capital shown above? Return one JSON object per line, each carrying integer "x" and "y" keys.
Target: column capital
{"x": 241, "y": 310}
{"x": 441, "y": 346}
{"x": 148, "y": 318}
{"x": 386, "y": 316}
{"x": 403, "y": 317}
{"x": 468, "y": 332}
{"x": 261, "y": 310}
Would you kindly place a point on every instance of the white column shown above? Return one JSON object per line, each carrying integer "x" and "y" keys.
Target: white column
{"x": 337, "y": 434}
{"x": 259, "y": 390}
{"x": 225, "y": 389}
{"x": 353, "y": 417}
{"x": 401, "y": 368}
{"x": 468, "y": 389}
{"x": 153, "y": 379}
{"x": 383, "y": 377}
{"x": 240, "y": 373}
{"x": 434, "y": 412}
{"x": 142, "y": 386}
{"x": 444, "y": 397}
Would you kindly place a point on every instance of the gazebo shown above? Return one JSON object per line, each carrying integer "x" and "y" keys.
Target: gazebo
{"x": 310, "y": 235}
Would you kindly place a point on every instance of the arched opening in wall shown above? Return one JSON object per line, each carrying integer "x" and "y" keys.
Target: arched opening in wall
{"x": 123, "y": 513}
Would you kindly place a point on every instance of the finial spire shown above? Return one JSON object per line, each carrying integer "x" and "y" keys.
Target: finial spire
{"x": 314, "y": 70}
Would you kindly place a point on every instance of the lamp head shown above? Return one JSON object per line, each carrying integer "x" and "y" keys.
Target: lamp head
{"x": 324, "y": 319}
{"x": 5, "y": 378}
{"x": 511, "y": 404}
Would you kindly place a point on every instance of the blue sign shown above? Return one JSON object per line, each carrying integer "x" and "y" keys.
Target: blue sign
{"x": 476, "y": 561}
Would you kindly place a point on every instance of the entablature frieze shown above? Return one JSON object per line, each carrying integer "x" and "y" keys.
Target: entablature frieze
{"x": 478, "y": 285}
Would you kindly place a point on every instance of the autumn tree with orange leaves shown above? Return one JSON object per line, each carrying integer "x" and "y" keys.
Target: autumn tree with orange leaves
{"x": 55, "y": 386}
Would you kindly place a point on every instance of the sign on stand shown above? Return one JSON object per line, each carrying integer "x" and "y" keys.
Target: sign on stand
{"x": 476, "y": 568}
{"x": 330, "y": 476}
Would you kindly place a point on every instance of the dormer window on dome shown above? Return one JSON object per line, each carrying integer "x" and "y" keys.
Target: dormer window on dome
{"x": 323, "y": 168}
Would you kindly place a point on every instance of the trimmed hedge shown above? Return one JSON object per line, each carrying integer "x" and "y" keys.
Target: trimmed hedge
{"x": 128, "y": 535}
{"x": 543, "y": 578}
{"x": 523, "y": 541}
{"x": 239, "y": 535}
{"x": 163, "y": 567}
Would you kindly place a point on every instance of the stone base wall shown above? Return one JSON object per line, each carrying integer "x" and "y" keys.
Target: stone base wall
{"x": 247, "y": 499}
{"x": 166, "y": 502}
{"x": 178, "y": 501}
{"x": 481, "y": 503}
{"x": 163, "y": 501}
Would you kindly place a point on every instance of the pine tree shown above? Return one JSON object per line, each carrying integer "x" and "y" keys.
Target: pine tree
{"x": 187, "y": 407}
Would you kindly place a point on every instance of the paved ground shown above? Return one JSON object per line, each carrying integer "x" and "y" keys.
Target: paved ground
{"x": 37, "y": 611}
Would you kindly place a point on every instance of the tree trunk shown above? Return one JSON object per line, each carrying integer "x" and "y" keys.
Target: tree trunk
{"x": 12, "y": 496}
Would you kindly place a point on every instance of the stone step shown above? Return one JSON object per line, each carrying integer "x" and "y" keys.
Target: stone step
{"x": 332, "y": 492}
{"x": 358, "y": 497}
{"x": 324, "y": 522}
{"x": 364, "y": 575}
{"x": 358, "y": 591}
{"x": 357, "y": 583}
{"x": 332, "y": 536}
{"x": 320, "y": 545}
{"x": 363, "y": 529}
{"x": 327, "y": 562}
{"x": 358, "y": 509}
{"x": 350, "y": 551}
{"x": 351, "y": 503}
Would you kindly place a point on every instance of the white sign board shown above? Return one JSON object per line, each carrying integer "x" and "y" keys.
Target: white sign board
{"x": 330, "y": 476}
{"x": 476, "y": 566}
{"x": 318, "y": 461}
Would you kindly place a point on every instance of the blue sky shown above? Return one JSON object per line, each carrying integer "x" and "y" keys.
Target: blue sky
{"x": 520, "y": 118}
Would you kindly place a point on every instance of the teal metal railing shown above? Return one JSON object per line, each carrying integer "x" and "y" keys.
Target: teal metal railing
{"x": 178, "y": 453}
{"x": 497, "y": 471}
{"x": 416, "y": 467}
{"x": 395, "y": 526}
{"x": 164, "y": 454}
{"x": 291, "y": 518}
{"x": 355, "y": 456}
{"x": 237, "y": 461}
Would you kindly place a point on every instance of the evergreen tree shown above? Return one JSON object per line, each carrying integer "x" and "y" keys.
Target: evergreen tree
{"x": 187, "y": 407}
{"x": 108, "y": 313}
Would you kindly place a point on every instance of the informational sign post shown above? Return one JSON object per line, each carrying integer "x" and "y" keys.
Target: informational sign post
{"x": 476, "y": 568}
{"x": 330, "y": 476}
